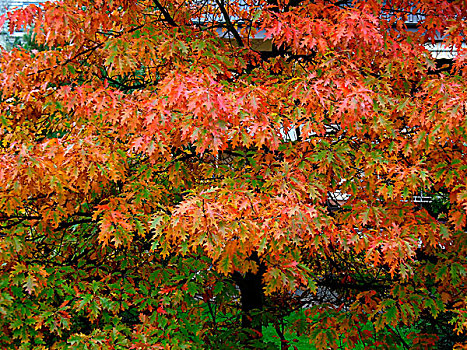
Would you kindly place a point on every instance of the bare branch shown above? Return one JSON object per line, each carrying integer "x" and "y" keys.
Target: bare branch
{"x": 229, "y": 23}
{"x": 165, "y": 13}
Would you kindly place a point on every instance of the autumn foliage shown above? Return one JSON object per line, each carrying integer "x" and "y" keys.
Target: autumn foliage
{"x": 182, "y": 174}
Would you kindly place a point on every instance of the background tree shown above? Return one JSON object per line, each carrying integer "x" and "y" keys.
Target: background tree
{"x": 170, "y": 180}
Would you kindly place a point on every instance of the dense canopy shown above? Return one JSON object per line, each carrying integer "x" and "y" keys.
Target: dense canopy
{"x": 186, "y": 174}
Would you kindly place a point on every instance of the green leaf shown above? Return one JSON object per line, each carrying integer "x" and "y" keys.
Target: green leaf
{"x": 85, "y": 300}
{"x": 391, "y": 315}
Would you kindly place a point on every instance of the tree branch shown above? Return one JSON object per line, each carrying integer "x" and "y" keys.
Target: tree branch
{"x": 165, "y": 13}
{"x": 229, "y": 24}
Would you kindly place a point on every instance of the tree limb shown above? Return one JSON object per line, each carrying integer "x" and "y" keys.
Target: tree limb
{"x": 229, "y": 23}
{"x": 165, "y": 13}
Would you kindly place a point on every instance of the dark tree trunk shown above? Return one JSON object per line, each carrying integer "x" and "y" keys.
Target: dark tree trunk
{"x": 252, "y": 297}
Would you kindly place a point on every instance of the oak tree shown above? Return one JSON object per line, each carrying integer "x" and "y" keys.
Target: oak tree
{"x": 182, "y": 174}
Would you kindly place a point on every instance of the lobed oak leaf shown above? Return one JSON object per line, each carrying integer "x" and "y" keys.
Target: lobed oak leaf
{"x": 30, "y": 284}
